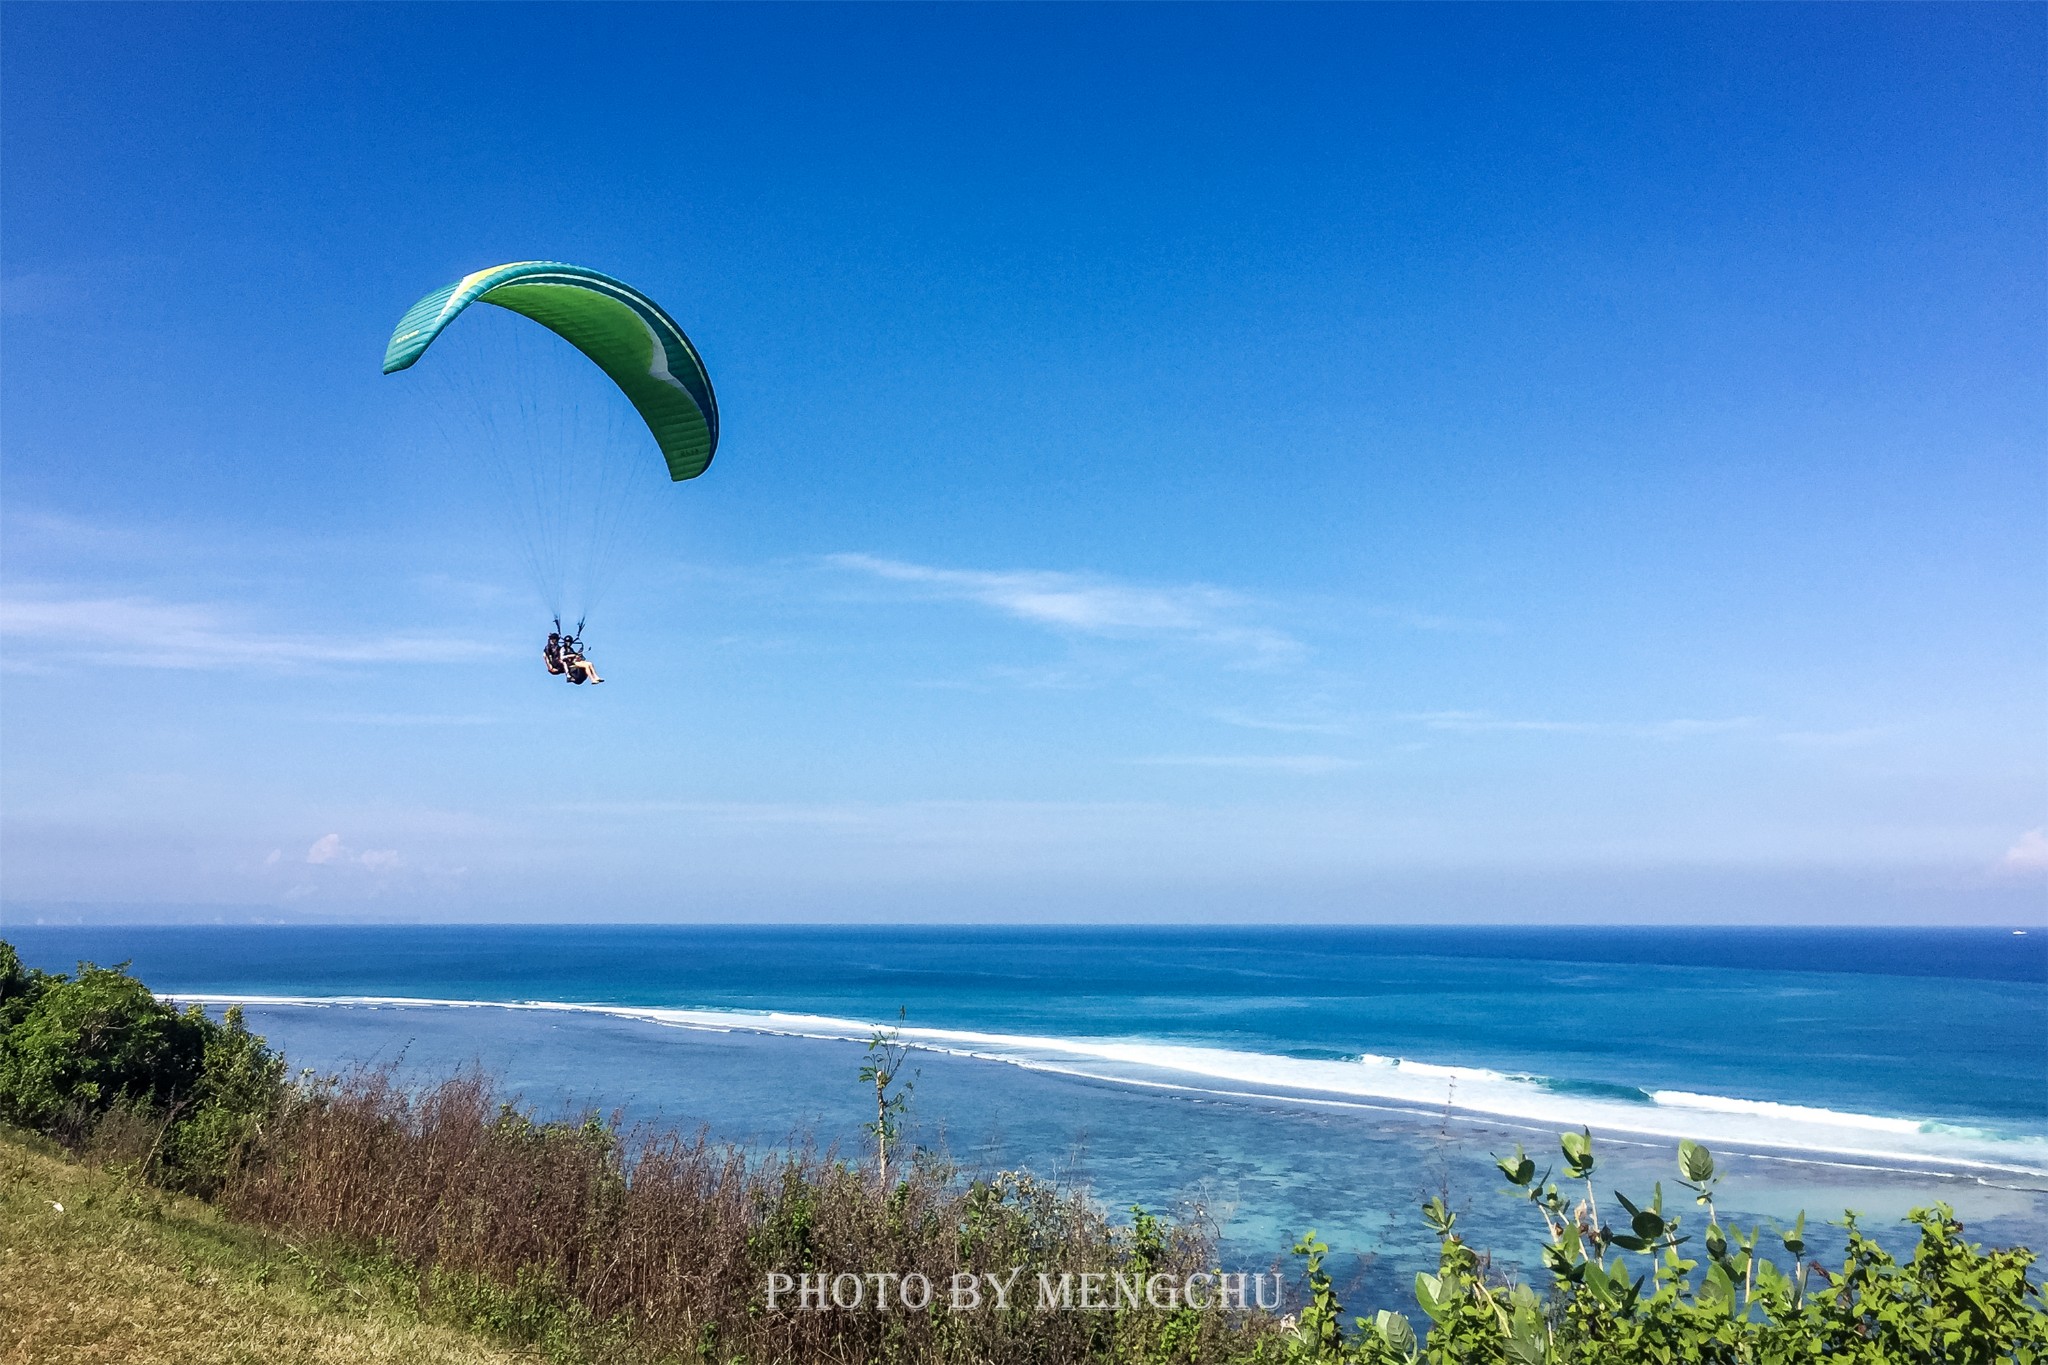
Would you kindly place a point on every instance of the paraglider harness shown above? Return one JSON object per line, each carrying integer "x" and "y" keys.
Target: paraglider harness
{"x": 563, "y": 651}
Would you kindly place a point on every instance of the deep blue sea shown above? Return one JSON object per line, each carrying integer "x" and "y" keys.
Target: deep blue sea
{"x": 1277, "y": 1078}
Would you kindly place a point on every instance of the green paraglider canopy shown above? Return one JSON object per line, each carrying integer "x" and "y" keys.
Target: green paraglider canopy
{"x": 625, "y": 333}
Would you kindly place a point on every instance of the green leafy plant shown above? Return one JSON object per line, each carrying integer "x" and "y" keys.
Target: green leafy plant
{"x": 99, "y": 1051}
{"x": 1631, "y": 1297}
{"x": 884, "y": 1071}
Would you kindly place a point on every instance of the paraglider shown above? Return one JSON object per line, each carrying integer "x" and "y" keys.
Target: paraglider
{"x": 637, "y": 345}
{"x": 563, "y": 655}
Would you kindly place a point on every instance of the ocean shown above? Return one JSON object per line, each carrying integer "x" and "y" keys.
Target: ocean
{"x": 1267, "y": 1079}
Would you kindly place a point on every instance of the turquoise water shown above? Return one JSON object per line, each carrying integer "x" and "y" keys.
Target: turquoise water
{"x": 1278, "y": 1078}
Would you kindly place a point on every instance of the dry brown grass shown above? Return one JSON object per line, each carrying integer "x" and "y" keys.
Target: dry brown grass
{"x": 656, "y": 1245}
{"x": 130, "y": 1275}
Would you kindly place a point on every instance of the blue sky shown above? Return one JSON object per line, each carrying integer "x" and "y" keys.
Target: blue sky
{"x": 1379, "y": 463}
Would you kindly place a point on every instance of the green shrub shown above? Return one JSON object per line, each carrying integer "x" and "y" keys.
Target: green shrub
{"x": 19, "y": 987}
{"x": 79, "y": 1052}
{"x": 1635, "y": 1298}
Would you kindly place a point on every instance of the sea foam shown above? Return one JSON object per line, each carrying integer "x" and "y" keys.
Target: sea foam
{"x": 1366, "y": 1082}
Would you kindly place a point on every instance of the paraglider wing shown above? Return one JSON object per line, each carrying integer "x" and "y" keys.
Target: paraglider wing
{"x": 625, "y": 333}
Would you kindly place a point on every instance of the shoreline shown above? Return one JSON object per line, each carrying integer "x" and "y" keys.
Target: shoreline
{"x": 604, "y": 1238}
{"x": 1366, "y": 1084}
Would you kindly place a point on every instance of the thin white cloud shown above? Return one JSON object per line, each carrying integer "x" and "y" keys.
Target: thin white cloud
{"x": 870, "y": 816}
{"x": 1306, "y": 765}
{"x": 2029, "y": 853}
{"x": 1481, "y": 722}
{"x": 404, "y": 719}
{"x": 1429, "y": 620}
{"x": 1834, "y": 739}
{"x": 1245, "y": 720}
{"x": 329, "y": 850}
{"x": 736, "y": 812}
{"x": 1093, "y": 605}
{"x": 1044, "y": 679}
{"x": 141, "y": 632}
{"x": 47, "y": 528}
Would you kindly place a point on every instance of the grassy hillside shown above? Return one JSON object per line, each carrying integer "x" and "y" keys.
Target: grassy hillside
{"x": 123, "y": 1272}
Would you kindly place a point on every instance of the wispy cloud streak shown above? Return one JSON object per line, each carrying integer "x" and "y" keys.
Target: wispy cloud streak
{"x": 140, "y": 632}
{"x": 1247, "y": 721}
{"x": 2029, "y": 852}
{"x": 1305, "y": 765}
{"x": 1836, "y": 739}
{"x": 1437, "y": 621}
{"x": 1480, "y": 722}
{"x": 1093, "y": 605}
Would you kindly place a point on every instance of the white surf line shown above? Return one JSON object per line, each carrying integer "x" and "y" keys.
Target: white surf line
{"x": 1658, "y": 1118}
{"x": 1882, "y": 1163}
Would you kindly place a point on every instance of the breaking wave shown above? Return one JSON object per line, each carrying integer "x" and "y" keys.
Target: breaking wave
{"x": 1367, "y": 1081}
